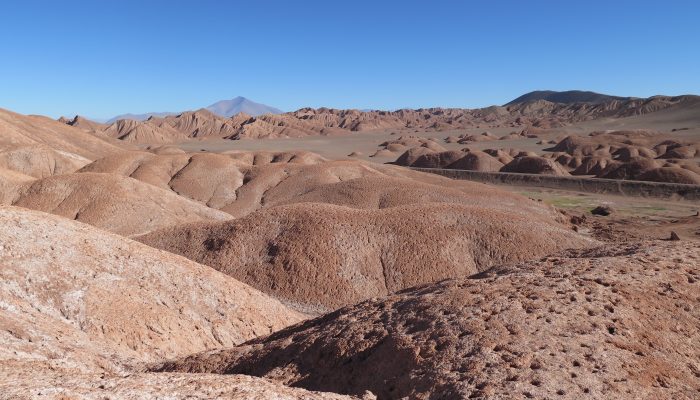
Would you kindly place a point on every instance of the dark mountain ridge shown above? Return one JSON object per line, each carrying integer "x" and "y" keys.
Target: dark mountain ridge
{"x": 566, "y": 97}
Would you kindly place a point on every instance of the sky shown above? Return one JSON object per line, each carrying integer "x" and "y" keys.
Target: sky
{"x": 103, "y": 58}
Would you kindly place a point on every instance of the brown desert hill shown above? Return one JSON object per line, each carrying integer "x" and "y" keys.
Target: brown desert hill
{"x": 317, "y": 257}
{"x": 198, "y": 123}
{"x": 404, "y": 143}
{"x": 592, "y": 165}
{"x": 70, "y": 294}
{"x": 574, "y": 145}
{"x": 477, "y": 161}
{"x": 10, "y": 184}
{"x": 411, "y": 155}
{"x": 625, "y": 145}
{"x": 631, "y": 152}
{"x": 671, "y": 174}
{"x": 30, "y": 130}
{"x": 501, "y": 155}
{"x": 535, "y": 165}
{"x": 142, "y": 132}
{"x": 203, "y": 123}
{"x": 211, "y": 179}
{"x": 115, "y": 203}
{"x": 374, "y": 192}
{"x": 237, "y": 183}
{"x": 569, "y": 161}
{"x": 82, "y": 310}
{"x": 242, "y": 182}
{"x": 628, "y": 155}
{"x": 611, "y": 323}
{"x": 465, "y": 159}
{"x": 358, "y": 184}
{"x": 190, "y": 124}
{"x": 437, "y": 160}
{"x": 629, "y": 170}
{"x": 620, "y": 155}
{"x": 282, "y": 125}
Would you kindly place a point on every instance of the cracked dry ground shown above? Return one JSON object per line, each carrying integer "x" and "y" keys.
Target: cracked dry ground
{"x": 615, "y": 322}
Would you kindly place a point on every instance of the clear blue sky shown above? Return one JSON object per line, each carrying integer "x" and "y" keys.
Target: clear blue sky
{"x": 101, "y": 58}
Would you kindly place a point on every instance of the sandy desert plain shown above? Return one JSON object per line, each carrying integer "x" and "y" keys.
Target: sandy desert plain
{"x": 301, "y": 256}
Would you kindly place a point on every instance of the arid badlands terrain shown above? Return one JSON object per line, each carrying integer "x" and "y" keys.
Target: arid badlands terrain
{"x": 318, "y": 254}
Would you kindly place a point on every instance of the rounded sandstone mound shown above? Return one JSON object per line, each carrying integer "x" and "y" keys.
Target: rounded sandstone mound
{"x": 410, "y": 156}
{"x": 613, "y": 323}
{"x": 671, "y": 174}
{"x": 112, "y": 202}
{"x": 535, "y": 165}
{"x": 381, "y": 191}
{"x": 437, "y": 160}
{"x": 477, "y": 161}
{"x": 10, "y": 184}
{"x": 72, "y": 296}
{"x": 318, "y": 257}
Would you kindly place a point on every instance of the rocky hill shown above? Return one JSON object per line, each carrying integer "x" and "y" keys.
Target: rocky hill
{"x": 318, "y": 257}
{"x": 613, "y": 322}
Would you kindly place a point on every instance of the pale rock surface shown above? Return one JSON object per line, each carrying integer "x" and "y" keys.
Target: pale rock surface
{"x": 74, "y": 297}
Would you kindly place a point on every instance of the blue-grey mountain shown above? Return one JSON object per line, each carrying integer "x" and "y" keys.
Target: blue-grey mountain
{"x": 223, "y": 108}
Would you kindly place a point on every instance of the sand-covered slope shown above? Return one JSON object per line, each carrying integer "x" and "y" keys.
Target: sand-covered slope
{"x": 72, "y": 296}
{"x": 318, "y": 257}
{"x": 613, "y": 323}
{"x": 111, "y": 202}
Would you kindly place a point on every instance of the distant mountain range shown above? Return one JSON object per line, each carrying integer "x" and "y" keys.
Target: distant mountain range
{"x": 566, "y": 97}
{"x": 223, "y": 108}
{"x": 229, "y": 108}
{"x": 140, "y": 117}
